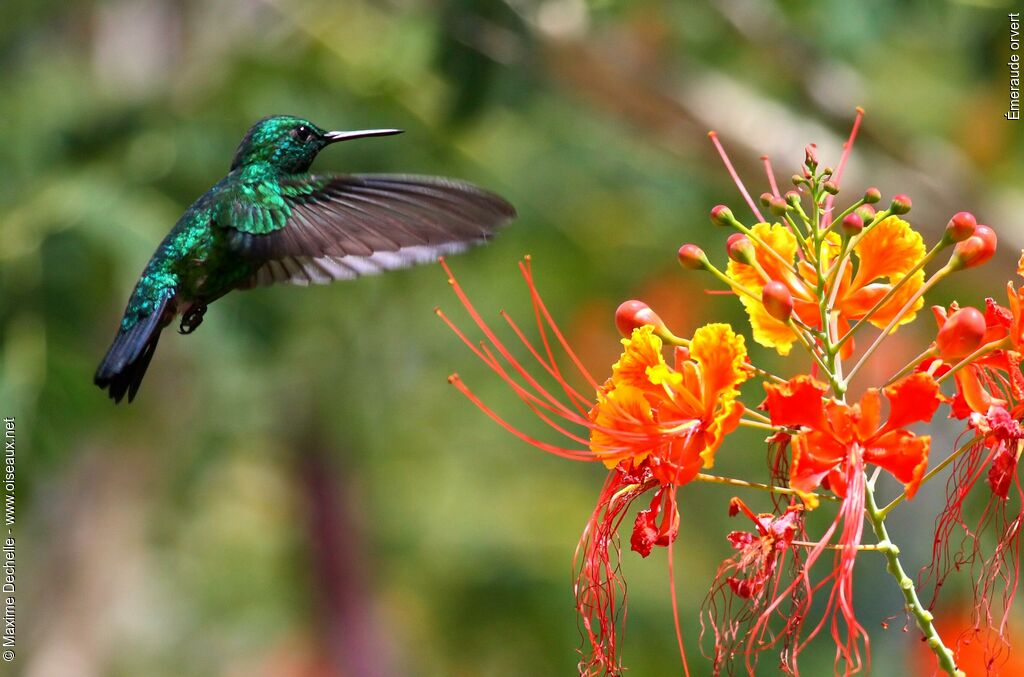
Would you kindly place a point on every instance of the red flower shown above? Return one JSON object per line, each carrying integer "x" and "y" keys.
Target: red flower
{"x": 654, "y": 425}
{"x": 833, "y": 434}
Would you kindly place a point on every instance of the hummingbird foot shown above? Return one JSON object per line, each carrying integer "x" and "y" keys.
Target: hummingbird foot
{"x": 192, "y": 318}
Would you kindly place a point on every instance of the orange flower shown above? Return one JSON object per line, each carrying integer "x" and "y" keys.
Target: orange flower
{"x": 833, "y": 434}
{"x": 674, "y": 417}
{"x": 885, "y": 254}
{"x": 653, "y": 425}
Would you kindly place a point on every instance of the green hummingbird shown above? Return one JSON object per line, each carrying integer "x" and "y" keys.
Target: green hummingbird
{"x": 270, "y": 221}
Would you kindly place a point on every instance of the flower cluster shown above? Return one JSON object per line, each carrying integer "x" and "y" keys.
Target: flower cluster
{"x": 812, "y": 276}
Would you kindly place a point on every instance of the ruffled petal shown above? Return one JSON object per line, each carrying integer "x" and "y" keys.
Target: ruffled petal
{"x": 641, "y": 351}
{"x": 913, "y": 399}
{"x": 890, "y": 250}
{"x": 624, "y": 426}
{"x": 903, "y": 454}
{"x": 797, "y": 402}
{"x": 768, "y": 331}
{"x": 721, "y": 354}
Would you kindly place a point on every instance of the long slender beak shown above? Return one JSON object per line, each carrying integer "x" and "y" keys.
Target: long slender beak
{"x": 334, "y": 137}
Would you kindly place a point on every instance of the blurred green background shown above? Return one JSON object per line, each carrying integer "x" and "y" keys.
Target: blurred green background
{"x": 297, "y": 491}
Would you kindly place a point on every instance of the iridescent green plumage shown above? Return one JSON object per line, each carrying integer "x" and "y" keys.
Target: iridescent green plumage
{"x": 268, "y": 221}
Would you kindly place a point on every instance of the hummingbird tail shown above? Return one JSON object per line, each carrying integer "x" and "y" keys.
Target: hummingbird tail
{"x": 125, "y": 364}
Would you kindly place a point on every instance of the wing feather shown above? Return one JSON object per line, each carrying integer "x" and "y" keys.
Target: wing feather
{"x": 336, "y": 227}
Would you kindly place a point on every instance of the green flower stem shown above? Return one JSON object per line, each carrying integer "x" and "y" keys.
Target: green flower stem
{"x": 931, "y": 351}
{"x": 884, "y": 512}
{"x": 717, "y": 479}
{"x": 924, "y": 618}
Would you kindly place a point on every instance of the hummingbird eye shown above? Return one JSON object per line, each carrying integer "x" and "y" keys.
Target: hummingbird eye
{"x": 302, "y": 133}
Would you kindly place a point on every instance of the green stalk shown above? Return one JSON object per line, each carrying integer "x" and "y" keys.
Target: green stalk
{"x": 923, "y": 617}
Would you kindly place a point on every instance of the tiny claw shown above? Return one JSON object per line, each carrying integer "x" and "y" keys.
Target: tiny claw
{"x": 191, "y": 320}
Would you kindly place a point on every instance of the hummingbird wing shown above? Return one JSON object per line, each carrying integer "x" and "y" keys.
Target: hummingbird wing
{"x": 333, "y": 227}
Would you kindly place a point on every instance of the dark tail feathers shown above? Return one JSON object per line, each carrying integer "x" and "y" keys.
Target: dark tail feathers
{"x": 125, "y": 364}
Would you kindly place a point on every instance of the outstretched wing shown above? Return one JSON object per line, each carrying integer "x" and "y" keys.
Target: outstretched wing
{"x": 331, "y": 227}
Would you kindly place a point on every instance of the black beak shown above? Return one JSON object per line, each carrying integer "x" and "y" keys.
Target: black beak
{"x": 334, "y": 137}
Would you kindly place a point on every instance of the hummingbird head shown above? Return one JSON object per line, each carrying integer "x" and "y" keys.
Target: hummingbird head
{"x": 290, "y": 143}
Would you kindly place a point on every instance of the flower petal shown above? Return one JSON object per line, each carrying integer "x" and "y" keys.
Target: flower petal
{"x": 913, "y": 399}
{"x": 721, "y": 354}
{"x": 641, "y": 351}
{"x": 815, "y": 455}
{"x": 768, "y": 331}
{"x": 624, "y": 426}
{"x": 890, "y": 249}
{"x": 903, "y": 454}
{"x": 797, "y": 402}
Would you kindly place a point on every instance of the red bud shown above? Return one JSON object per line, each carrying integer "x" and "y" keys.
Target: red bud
{"x": 633, "y": 314}
{"x": 721, "y": 215}
{"x": 777, "y": 300}
{"x": 778, "y": 206}
{"x": 872, "y": 195}
{"x": 852, "y": 224}
{"x": 811, "y": 156}
{"x": 961, "y": 226}
{"x": 740, "y": 248}
{"x": 691, "y": 256}
{"x": 975, "y": 250}
{"x": 866, "y": 213}
{"x": 961, "y": 334}
{"x": 766, "y": 199}
{"x": 901, "y": 204}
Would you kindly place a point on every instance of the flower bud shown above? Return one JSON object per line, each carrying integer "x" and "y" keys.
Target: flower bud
{"x": 900, "y": 204}
{"x": 961, "y": 226}
{"x": 866, "y": 213}
{"x": 975, "y": 250}
{"x": 740, "y": 249}
{"x": 777, "y": 300}
{"x": 962, "y": 334}
{"x": 721, "y": 215}
{"x": 691, "y": 256}
{"x": 827, "y": 171}
{"x": 830, "y": 187}
{"x": 792, "y": 198}
{"x": 633, "y": 314}
{"x": 811, "y": 156}
{"x": 778, "y": 206}
{"x": 872, "y": 195}
{"x": 852, "y": 224}
{"x": 798, "y": 180}
{"x": 766, "y": 199}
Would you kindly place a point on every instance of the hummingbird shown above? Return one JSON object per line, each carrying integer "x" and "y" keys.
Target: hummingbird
{"x": 270, "y": 221}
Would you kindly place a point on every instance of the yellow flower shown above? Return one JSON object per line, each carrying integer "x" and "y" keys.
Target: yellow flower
{"x": 884, "y": 255}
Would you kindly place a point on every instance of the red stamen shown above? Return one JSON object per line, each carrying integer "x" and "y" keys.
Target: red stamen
{"x": 672, "y": 507}
{"x": 735, "y": 177}
{"x": 574, "y": 455}
{"x": 838, "y": 174}
{"x": 771, "y": 176}
{"x": 539, "y": 305}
